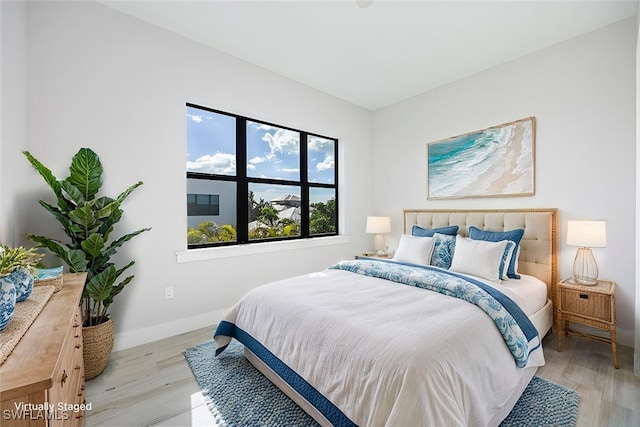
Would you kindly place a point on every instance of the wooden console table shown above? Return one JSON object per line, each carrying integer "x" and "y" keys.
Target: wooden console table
{"x": 42, "y": 380}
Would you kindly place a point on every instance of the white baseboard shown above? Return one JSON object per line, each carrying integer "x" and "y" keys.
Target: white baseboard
{"x": 149, "y": 334}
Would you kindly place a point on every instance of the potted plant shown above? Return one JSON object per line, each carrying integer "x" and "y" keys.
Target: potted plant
{"x": 12, "y": 259}
{"x": 16, "y": 278}
{"x": 88, "y": 221}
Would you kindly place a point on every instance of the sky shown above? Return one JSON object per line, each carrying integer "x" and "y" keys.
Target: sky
{"x": 272, "y": 152}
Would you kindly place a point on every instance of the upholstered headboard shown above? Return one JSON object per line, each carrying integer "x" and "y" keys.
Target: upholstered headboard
{"x": 539, "y": 248}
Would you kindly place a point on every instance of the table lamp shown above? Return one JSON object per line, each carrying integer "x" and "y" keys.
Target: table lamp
{"x": 378, "y": 225}
{"x": 586, "y": 235}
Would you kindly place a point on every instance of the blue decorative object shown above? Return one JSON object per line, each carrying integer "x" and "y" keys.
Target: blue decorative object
{"x": 418, "y": 231}
{"x": 229, "y": 381}
{"x": 48, "y": 273}
{"x": 496, "y": 236}
{"x": 23, "y": 281}
{"x": 7, "y": 300}
{"x": 443, "y": 248}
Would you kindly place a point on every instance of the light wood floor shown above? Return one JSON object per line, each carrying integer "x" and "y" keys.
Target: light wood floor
{"x": 152, "y": 385}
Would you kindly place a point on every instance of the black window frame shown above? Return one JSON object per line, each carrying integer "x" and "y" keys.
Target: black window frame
{"x": 243, "y": 181}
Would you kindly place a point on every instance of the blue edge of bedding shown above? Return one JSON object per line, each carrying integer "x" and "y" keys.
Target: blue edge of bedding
{"x": 331, "y": 412}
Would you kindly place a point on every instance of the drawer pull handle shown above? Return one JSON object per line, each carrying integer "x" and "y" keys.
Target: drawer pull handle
{"x": 584, "y": 296}
{"x": 64, "y": 377}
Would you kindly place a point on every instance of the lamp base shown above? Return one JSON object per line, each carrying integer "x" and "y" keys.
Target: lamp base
{"x": 585, "y": 268}
{"x": 585, "y": 281}
{"x": 378, "y": 244}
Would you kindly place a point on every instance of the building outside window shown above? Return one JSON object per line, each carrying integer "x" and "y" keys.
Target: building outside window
{"x": 250, "y": 181}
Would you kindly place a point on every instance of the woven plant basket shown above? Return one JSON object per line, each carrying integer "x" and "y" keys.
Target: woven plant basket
{"x": 56, "y": 282}
{"x": 97, "y": 343}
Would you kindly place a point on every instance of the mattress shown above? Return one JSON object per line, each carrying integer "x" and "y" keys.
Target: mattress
{"x": 528, "y": 292}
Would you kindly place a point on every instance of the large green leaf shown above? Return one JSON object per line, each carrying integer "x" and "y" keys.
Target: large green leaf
{"x": 83, "y": 216}
{"x": 105, "y": 211}
{"x": 77, "y": 260}
{"x": 49, "y": 178}
{"x": 62, "y": 218}
{"x": 72, "y": 192}
{"x": 102, "y": 201}
{"x": 53, "y": 245}
{"x": 74, "y": 258}
{"x": 112, "y": 248}
{"x": 86, "y": 172}
{"x": 116, "y": 290}
{"x": 126, "y": 192}
{"x": 93, "y": 245}
{"x": 100, "y": 286}
{"x": 107, "y": 223}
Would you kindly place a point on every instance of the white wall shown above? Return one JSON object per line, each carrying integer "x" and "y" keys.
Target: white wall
{"x": 13, "y": 117}
{"x": 582, "y": 93}
{"x": 101, "y": 79}
{"x": 636, "y": 355}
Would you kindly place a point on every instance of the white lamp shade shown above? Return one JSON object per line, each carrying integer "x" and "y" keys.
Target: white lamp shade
{"x": 588, "y": 234}
{"x": 378, "y": 224}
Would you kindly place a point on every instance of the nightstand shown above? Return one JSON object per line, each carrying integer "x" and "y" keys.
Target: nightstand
{"x": 594, "y": 306}
{"x": 374, "y": 255}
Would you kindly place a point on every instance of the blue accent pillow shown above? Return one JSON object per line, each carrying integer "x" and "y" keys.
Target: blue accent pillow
{"x": 444, "y": 246}
{"x": 416, "y": 230}
{"x": 496, "y": 236}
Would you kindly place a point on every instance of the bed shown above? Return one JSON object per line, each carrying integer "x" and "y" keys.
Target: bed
{"x": 374, "y": 342}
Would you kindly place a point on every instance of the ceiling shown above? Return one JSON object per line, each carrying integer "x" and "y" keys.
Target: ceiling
{"x": 384, "y": 52}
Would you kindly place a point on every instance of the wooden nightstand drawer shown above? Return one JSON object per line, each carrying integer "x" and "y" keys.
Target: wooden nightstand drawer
{"x": 593, "y": 305}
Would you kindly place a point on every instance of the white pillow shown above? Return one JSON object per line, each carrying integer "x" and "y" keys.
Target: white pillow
{"x": 413, "y": 249}
{"x": 479, "y": 258}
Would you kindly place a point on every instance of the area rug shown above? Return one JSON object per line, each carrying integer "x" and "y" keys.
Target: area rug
{"x": 237, "y": 394}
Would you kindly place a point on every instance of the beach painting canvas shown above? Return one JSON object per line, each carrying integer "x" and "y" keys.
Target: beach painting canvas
{"x": 494, "y": 162}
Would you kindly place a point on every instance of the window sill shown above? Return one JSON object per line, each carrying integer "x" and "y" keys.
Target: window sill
{"x": 257, "y": 248}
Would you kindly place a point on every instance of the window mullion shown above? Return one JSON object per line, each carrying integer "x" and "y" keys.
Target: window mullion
{"x": 304, "y": 190}
{"x": 242, "y": 189}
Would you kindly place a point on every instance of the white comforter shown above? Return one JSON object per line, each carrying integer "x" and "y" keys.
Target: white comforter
{"x": 384, "y": 353}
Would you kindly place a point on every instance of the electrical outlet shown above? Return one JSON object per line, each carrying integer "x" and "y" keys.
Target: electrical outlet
{"x": 168, "y": 292}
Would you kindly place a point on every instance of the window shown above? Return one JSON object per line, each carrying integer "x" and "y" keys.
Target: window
{"x": 250, "y": 181}
{"x": 203, "y": 205}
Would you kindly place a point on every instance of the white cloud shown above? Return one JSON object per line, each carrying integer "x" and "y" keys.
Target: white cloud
{"x": 289, "y": 170}
{"x": 283, "y": 141}
{"x": 196, "y": 118}
{"x": 327, "y": 163}
{"x": 219, "y": 163}
{"x": 317, "y": 143}
{"x": 256, "y": 160}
